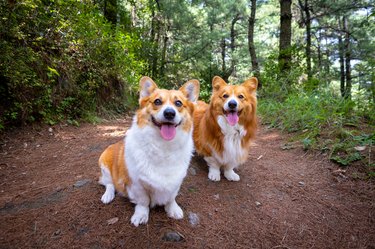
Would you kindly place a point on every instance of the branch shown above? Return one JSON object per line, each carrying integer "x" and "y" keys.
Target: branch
{"x": 338, "y": 10}
{"x": 190, "y": 57}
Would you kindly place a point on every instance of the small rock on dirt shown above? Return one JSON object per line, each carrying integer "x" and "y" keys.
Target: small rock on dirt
{"x": 257, "y": 203}
{"x": 301, "y": 184}
{"x": 81, "y": 183}
{"x": 193, "y": 219}
{"x": 216, "y": 197}
{"x": 57, "y": 233}
{"x": 192, "y": 171}
{"x": 360, "y": 148}
{"x": 173, "y": 236}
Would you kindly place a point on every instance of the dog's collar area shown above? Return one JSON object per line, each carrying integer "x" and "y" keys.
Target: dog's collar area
{"x": 156, "y": 123}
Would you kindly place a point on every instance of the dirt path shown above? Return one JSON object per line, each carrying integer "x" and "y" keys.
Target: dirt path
{"x": 50, "y": 198}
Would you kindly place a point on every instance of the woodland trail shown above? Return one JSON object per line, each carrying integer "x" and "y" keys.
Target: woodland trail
{"x": 50, "y": 198}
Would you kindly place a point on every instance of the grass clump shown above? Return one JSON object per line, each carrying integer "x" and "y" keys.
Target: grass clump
{"x": 326, "y": 122}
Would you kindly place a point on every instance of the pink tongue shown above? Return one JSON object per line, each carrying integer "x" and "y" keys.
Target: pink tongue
{"x": 168, "y": 132}
{"x": 232, "y": 118}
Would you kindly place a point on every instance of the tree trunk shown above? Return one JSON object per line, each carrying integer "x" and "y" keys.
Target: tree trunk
{"x": 233, "y": 43}
{"x": 348, "y": 76}
{"x": 308, "y": 40}
{"x": 342, "y": 64}
{"x": 155, "y": 53}
{"x": 155, "y": 36}
{"x": 223, "y": 54}
{"x": 318, "y": 39}
{"x": 110, "y": 11}
{"x": 327, "y": 62}
{"x": 285, "y": 56}
{"x": 164, "y": 52}
{"x": 250, "y": 38}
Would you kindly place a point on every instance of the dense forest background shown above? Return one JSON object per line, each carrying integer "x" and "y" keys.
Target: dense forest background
{"x": 72, "y": 60}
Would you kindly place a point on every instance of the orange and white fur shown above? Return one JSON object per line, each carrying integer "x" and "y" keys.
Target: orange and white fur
{"x": 151, "y": 163}
{"x": 223, "y": 128}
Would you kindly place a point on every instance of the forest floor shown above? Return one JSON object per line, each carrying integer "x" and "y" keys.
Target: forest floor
{"x": 286, "y": 198}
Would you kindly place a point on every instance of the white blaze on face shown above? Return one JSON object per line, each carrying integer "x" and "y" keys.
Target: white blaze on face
{"x": 168, "y": 127}
{"x": 231, "y": 114}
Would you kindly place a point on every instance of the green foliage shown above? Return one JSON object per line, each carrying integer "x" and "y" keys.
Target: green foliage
{"x": 62, "y": 59}
{"x": 279, "y": 84}
{"x": 322, "y": 120}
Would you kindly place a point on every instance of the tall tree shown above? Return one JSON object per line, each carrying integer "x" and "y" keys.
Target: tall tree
{"x": 285, "y": 40}
{"x": 155, "y": 35}
{"x": 348, "y": 76}
{"x": 250, "y": 39}
{"x": 233, "y": 36}
{"x": 306, "y": 19}
{"x": 341, "y": 61}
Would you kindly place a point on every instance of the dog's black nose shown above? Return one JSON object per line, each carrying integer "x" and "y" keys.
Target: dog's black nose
{"x": 169, "y": 113}
{"x": 232, "y": 104}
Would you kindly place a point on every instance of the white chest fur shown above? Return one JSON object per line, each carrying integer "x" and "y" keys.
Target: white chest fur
{"x": 233, "y": 153}
{"x": 156, "y": 167}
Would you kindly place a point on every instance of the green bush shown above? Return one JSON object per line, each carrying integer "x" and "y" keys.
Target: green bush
{"x": 61, "y": 59}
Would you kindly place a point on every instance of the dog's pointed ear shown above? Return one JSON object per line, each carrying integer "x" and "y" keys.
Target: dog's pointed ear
{"x": 147, "y": 86}
{"x": 191, "y": 90}
{"x": 251, "y": 84}
{"x": 217, "y": 83}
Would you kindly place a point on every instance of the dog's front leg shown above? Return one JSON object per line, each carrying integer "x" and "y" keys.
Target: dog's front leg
{"x": 214, "y": 169}
{"x": 230, "y": 174}
{"x": 140, "y": 215}
{"x": 174, "y": 210}
{"x": 142, "y": 208}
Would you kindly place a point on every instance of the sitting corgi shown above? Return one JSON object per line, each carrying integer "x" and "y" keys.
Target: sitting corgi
{"x": 223, "y": 128}
{"x": 151, "y": 162}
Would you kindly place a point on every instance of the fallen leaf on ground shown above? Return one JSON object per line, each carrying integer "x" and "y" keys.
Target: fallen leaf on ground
{"x": 112, "y": 221}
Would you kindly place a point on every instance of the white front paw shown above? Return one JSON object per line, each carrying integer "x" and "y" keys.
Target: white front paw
{"x": 214, "y": 174}
{"x": 109, "y": 194}
{"x": 231, "y": 175}
{"x": 108, "y": 197}
{"x": 174, "y": 211}
{"x": 140, "y": 216}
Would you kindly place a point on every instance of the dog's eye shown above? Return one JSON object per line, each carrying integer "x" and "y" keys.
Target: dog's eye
{"x": 178, "y": 103}
{"x": 240, "y": 96}
{"x": 157, "y": 102}
{"x": 225, "y": 96}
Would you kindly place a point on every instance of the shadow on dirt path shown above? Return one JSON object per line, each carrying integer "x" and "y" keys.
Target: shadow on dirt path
{"x": 50, "y": 198}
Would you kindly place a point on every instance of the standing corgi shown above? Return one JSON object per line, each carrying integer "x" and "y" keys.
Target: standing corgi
{"x": 151, "y": 162}
{"x": 223, "y": 128}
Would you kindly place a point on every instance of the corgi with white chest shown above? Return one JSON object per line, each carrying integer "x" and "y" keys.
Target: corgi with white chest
{"x": 151, "y": 163}
{"x": 224, "y": 127}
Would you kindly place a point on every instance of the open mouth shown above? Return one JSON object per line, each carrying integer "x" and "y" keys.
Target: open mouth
{"x": 232, "y": 116}
{"x": 167, "y": 129}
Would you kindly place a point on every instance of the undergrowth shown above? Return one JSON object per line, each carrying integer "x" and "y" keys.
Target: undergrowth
{"x": 57, "y": 66}
{"x": 344, "y": 129}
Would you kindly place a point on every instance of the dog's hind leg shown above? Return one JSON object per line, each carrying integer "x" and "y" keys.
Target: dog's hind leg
{"x": 106, "y": 180}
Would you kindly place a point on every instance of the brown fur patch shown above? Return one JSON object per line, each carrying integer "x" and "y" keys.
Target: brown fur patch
{"x": 113, "y": 159}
